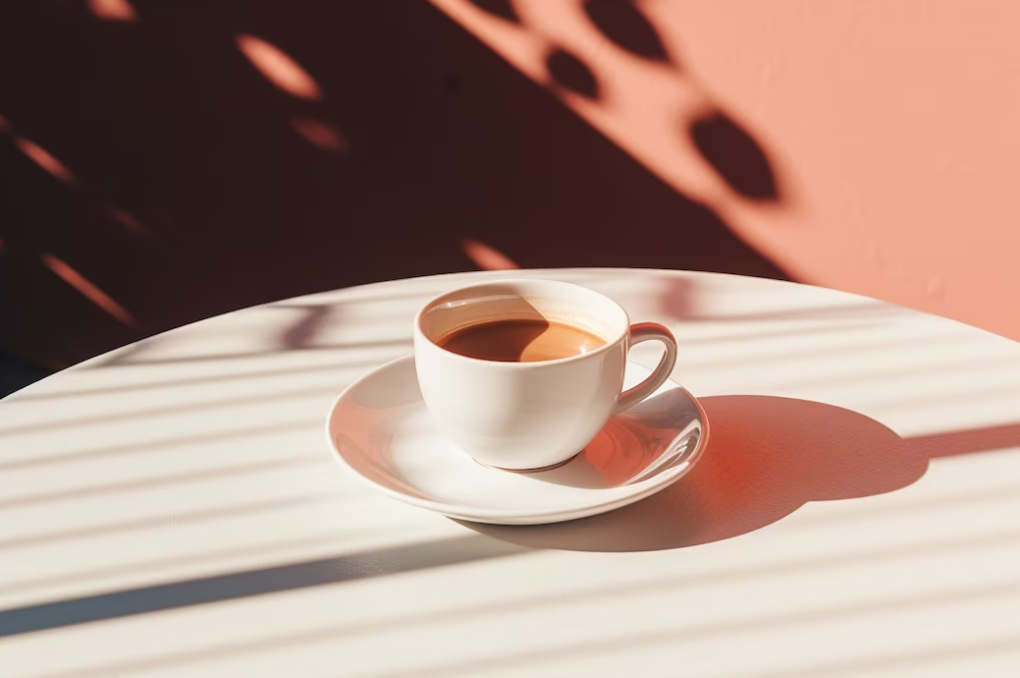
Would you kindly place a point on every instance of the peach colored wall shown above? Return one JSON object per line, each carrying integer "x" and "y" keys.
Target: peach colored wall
{"x": 892, "y": 127}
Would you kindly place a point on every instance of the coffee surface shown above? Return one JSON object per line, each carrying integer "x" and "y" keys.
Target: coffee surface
{"x": 520, "y": 341}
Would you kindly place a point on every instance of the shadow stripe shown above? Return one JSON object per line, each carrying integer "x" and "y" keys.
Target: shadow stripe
{"x": 249, "y": 583}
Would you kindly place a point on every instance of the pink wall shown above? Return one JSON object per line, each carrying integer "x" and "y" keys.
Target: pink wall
{"x": 892, "y": 127}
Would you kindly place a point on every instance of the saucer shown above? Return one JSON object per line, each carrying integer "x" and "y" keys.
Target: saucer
{"x": 380, "y": 430}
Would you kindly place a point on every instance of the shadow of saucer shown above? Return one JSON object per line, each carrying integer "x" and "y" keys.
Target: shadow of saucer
{"x": 766, "y": 458}
{"x": 651, "y": 438}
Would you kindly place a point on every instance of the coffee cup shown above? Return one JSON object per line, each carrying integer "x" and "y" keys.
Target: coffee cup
{"x": 522, "y": 374}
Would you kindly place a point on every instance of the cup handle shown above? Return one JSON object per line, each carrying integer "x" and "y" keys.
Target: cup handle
{"x": 640, "y": 332}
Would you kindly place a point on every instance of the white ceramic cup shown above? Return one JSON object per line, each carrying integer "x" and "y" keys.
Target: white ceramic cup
{"x": 530, "y": 415}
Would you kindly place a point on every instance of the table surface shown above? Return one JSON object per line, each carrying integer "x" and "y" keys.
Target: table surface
{"x": 171, "y": 508}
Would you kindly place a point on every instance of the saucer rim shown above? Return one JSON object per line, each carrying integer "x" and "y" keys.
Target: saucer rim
{"x": 495, "y": 516}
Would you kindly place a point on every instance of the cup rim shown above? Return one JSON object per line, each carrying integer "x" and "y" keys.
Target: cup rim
{"x": 604, "y": 348}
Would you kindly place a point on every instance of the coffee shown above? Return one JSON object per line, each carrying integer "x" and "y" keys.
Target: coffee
{"x": 520, "y": 341}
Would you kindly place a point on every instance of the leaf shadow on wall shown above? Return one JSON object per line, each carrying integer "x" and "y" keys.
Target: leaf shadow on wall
{"x": 419, "y": 137}
{"x": 504, "y": 9}
{"x": 566, "y": 70}
{"x": 628, "y": 28}
{"x": 735, "y": 155}
{"x": 723, "y": 143}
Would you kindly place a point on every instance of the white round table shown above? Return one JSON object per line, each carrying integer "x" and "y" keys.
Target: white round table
{"x": 171, "y": 508}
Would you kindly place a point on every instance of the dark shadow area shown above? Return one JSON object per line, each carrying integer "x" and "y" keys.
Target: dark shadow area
{"x": 250, "y": 583}
{"x": 567, "y": 71}
{"x": 627, "y": 27}
{"x": 430, "y": 139}
{"x": 766, "y": 457}
{"x": 16, "y": 374}
{"x": 738, "y": 158}
{"x": 504, "y": 9}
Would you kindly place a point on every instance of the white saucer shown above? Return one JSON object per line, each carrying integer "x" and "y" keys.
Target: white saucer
{"x": 380, "y": 429}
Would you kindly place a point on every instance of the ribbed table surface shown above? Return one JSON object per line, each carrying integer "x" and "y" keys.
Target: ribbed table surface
{"x": 171, "y": 508}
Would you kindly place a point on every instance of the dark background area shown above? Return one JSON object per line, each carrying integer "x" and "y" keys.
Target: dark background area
{"x": 194, "y": 191}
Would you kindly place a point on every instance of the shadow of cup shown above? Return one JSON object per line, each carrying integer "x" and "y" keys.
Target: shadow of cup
{"x": 766, "y": 458}
{"x": 653, "y": 437}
